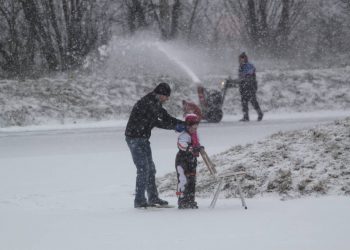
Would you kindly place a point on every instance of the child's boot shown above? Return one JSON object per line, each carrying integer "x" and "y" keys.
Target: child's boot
{"x": 183, "y": 203}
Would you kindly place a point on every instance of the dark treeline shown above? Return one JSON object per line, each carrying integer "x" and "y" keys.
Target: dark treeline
{"x": 48, "y": 34}
{"x": 57, "y": 35}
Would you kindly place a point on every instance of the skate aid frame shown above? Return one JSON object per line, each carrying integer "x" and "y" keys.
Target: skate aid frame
{"x": 221, "y": 179}
{"x": 210, "y": 165}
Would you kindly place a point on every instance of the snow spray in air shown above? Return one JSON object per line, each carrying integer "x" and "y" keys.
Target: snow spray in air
{"x": 178, "y": 61}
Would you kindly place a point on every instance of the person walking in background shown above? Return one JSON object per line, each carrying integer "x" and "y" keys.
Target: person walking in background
{"x": 248, "y": 87}
{"x": 186, "y": 163}
{"x": 146, "y": 114}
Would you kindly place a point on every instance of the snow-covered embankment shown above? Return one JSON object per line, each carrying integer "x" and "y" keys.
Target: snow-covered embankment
{"x": 291, "y": 164}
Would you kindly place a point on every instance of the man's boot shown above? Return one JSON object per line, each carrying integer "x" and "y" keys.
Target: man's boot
{"x": 140, "y": 204}
{"x": 157, "y": 201}
{"x": 245, "y": 118}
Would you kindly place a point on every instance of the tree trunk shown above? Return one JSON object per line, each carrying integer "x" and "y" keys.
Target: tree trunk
{"x": 252, "y": 23}
{"x": 176, "y": 12}
{"x": 9, "y": 50}
{"x": 283, "y": 29}
{"x": 164, "y": 19}
{"x": 136, "y": 17}
{"x": 140, "y": 14}
{"x": 32, "y": 15}
{"x": 263, "y": 26}
{"x": 193, "y": 16}
{"x": 58, "y": 33}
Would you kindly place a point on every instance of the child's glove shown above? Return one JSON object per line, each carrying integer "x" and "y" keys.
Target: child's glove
{"x": 180, "y": 127}
{"x": 197, "y": 149}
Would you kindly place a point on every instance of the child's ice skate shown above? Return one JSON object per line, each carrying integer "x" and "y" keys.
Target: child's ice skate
{"x": 187, "y": 204}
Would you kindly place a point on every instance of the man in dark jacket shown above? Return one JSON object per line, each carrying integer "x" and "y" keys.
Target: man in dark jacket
{"x": 146, "y": 114}
{"x": 248, "y": 87}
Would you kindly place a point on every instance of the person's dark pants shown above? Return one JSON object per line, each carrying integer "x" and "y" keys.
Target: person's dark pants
{"x": 186, "y": 168}
{"x": 140, "y": 149}
{"x": 189, "y": 194}
{"x": 190, "y": 191}
{"x": 248, "y": 94}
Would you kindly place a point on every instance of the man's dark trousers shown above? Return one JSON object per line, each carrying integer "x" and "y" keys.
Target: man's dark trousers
{"x": 141, "y": 152}
{"x": 248, "y": 94}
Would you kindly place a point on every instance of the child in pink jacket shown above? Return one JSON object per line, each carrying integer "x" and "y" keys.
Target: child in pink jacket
{"x": 186, "y": 163}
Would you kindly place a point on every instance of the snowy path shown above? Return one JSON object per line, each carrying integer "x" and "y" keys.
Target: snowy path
{"x": 72, "y": 189}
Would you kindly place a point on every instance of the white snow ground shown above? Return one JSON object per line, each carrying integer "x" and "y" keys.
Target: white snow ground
{"x": 72, "y": 188}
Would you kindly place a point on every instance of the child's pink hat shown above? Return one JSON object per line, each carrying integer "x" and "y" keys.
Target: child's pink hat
{"x": 192, "y": 119}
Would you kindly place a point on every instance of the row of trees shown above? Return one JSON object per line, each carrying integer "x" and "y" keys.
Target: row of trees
{"x": 273, "y": 27}
{"x": 57, "y": 35}
{"x": 269, "y": 24}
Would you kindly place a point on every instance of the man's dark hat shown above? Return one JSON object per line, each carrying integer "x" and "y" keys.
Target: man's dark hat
{"x": 162, "y": 89}
{"x": 243, "y": 55}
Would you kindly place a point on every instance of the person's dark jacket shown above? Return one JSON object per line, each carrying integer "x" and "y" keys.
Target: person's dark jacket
{"x": 146, "y": 114}
{"x": 247, "y": 78}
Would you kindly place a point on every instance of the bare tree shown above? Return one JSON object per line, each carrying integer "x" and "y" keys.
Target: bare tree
{"x": 36, "y": 22}
{"x": 57, "y": 31}
{"x": 167, "y": 17}
{"x": 136, "y": 15}
{"x": 17, "y": 43}
{"x": 58, "y": 34}
{"x": 192, "y": 19}
{"x": 252, "y": 22}
{"x": 283, "y": 28}
{"x": 346, "y": 4}
{"x": 81, "y": 30}
{"x": 332, "y": 31}
{"x": 10, "y": 53}
{"x": 175, "y": 15}
{"x": 268, "y": 24}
